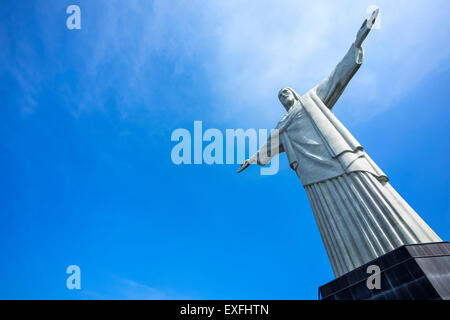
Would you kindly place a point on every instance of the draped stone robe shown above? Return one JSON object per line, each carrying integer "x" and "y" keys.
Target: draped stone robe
{"x": 359, "y": 215}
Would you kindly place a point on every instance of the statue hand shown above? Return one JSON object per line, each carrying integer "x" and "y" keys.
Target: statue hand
{"x": 365, "y": 28}
{"x": 245, "y": 165}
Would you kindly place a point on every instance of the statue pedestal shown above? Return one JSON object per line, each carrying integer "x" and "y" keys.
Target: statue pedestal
{"x": 416, "y": 271}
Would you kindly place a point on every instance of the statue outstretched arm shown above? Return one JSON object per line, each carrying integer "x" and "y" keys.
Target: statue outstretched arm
{"x": 331, "y": 88}
{"x": 271, "y": 148}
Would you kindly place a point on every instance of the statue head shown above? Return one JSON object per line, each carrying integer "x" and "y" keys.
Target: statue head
{"x": 288, "y": 97}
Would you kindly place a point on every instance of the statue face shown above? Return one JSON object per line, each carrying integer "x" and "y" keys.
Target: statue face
{"x": 287, "y": 98}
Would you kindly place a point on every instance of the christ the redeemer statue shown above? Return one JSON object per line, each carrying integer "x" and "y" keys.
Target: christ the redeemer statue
{"x": 359, "y": 215}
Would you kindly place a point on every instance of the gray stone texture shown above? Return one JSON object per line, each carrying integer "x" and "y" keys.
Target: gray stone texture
{"x": 411, "y": 272}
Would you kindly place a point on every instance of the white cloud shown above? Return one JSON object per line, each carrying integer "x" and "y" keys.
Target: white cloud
{"x": 248, "y": 50}
{"x": 118, "y": 288}
{"x": 262, "y": 46}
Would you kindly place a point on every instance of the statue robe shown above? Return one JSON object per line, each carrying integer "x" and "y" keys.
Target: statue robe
{"x": 360, "y": 216}
{"x": 317, "y": 144}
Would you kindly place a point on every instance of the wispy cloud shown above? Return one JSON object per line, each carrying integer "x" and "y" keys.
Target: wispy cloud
{"x": 263, "y": 46}
{"x": 118, "y": 288}
{"x": 246, "y": 50}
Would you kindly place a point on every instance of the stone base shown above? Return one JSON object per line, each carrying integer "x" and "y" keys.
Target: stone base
{"x": 416, "y": 271}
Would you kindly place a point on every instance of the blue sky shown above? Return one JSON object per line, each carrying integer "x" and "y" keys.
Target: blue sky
{"x": 87, "y": 115}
